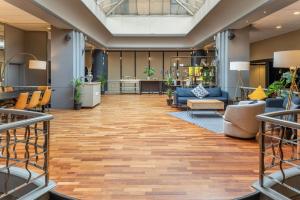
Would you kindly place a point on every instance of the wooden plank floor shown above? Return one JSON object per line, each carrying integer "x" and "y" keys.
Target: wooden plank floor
{"x": 130, "y": 148}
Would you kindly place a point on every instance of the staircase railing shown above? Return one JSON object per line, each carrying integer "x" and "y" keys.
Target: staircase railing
{"x": 279, "y": 154}
{"x": 24, "y": 144}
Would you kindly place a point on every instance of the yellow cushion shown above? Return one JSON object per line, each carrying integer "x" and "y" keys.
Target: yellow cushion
{"x": 258, "y": 94}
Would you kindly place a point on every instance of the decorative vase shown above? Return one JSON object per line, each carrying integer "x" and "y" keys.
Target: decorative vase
{"x": 148, "y": 78}
{"x": 89, "y": 77}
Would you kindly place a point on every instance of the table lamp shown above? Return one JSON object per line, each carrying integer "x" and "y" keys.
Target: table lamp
{"x": 239, "y": 66}
{"x": 291, "y": 60}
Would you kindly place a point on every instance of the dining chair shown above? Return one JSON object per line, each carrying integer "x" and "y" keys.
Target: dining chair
{"x": 44, "y": 102}
{"x": 8, "y": 89}
{"x": 34, "y": 100}
{"x": 22, "y": 101}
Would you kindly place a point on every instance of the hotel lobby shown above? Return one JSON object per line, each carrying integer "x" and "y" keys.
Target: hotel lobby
{"x": 149, "y": 99}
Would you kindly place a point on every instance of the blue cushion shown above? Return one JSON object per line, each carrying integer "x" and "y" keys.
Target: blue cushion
{"x": 214, "y": 92}
{"x": 184, "y": 92}
{"x": 295, "y": 100}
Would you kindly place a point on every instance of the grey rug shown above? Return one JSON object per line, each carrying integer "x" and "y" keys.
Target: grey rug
{"x": 205, "y": 119}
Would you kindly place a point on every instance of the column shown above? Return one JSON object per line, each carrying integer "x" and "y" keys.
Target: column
{"x": 100, "y": 65}
{"x": 67, "y": 63}
{"x": 232, "y": 49}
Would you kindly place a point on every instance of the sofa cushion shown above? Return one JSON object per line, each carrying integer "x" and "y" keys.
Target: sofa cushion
{"x": 214, "y": 92}
{"x": 200, "y": 91}
{"x": 295, "y": 103}
{"x": 184, "y": 92}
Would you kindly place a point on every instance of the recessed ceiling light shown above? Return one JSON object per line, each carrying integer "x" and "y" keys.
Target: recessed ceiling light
{"x": 297, "y": 13}
{"x": 279, "y": 27}
{"x": 265, "y": 12}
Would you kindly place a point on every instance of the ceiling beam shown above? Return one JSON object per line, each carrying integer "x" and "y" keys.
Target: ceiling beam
{"x": 186, "y": 8}
{"x": 115, "y": 6}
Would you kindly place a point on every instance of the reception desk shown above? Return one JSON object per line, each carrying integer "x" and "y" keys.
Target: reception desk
{"x": 91, "y": 94}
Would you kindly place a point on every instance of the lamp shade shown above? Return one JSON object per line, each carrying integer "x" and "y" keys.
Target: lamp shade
{"x": 287, "y": 59}
{"x": 37, "y": 64}
{"x": 239, "y": 66}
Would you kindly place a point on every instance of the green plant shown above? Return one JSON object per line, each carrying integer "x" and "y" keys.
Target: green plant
{"x": 169, "y": 93}
{"x": 149, "y": 71}
{"x": 103, "y": 81}
{"x": 169, "y": 80}
{"x": 77, "y": 85}
{"x": 277, "y": 86}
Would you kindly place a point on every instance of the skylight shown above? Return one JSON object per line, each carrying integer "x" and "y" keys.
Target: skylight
{"x": 150, "y": 7}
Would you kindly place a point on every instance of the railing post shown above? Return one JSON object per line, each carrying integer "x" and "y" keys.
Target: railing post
{"x": 261, "y": 153}
{"x": 46, "y": 130}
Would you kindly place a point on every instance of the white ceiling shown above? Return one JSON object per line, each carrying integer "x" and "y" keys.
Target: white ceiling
{"x": 266, "y": 27}
{"x": 18, "y": 18}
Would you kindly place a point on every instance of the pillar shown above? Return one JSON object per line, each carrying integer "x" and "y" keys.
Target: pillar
{"x": 232, "y": 49}
{"x": 67, "y": 63}
{"x": 100, "y": 65}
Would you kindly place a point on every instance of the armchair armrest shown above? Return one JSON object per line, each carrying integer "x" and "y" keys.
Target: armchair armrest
{"x": 225, "y": 95}
{"x": 274, "y": 102}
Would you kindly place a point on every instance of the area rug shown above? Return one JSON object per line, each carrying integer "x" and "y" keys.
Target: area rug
{"x": 205, "y": 119}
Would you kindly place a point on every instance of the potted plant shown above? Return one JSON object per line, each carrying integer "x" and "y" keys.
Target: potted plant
{"x": 103, "y": 81}
{"x": 77, "y": 84}
{"x": 169, "y": 82}
{"x": 276, "y": 89}
{"x": 149, "y": 71}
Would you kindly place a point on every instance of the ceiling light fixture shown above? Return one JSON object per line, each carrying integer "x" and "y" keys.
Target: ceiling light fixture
{"x": 297, "y": 13}
{"x": 278, "y": 27}
{"x": 265, "y": 12}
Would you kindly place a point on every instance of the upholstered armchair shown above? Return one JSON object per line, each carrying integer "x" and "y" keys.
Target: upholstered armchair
{"x": 240, "y": 120}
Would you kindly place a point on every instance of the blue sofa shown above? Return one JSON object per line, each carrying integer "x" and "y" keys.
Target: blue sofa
{"x": 279, "y": 104}
{"x": 181, "y": 95}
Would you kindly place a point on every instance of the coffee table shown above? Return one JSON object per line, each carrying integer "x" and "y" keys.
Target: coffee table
{"x": 204, "y": 104}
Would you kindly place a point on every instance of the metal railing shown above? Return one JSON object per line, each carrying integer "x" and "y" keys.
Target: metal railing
{"x": 24, "y": 144}
{"x": 279, "y": 151}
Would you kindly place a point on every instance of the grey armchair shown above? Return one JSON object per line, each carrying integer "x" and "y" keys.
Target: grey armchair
{"x": 240, "y": 120}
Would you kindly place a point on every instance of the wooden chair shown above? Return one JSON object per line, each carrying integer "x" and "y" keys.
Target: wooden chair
{"x": 22, "y": 101}
{"x": 44, "y": 102}
{"x": 34, "y": 101}
{"x": 8, "y": 89}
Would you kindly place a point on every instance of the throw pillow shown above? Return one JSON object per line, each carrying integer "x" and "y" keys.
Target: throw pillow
{"x": 200, "y": 91}
{"x": 258, "y": 94}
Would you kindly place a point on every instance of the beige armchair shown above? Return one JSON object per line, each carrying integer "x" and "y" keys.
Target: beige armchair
{"x": 240, "y": 120}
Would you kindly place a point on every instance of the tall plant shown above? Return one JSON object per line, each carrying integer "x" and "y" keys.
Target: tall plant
{"x": 103, "y": 81}
{"x": 169, "y": 83}
{"x": 77, "y": 84}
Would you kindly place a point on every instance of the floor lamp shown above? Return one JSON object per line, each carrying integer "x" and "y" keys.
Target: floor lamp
{"x": 239, "y": 66}
{"x": 291, "y": 60}
{"x": 34, "y": 63}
